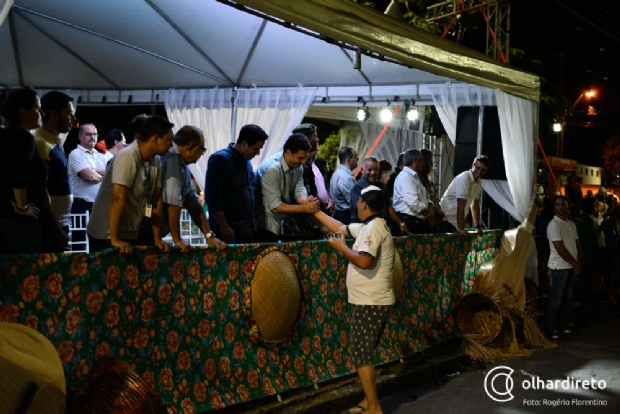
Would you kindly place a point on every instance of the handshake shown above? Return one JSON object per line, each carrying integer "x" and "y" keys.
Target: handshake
{"x": 312, "y": 205}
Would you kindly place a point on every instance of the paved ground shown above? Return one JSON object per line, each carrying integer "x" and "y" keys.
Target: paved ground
{"x": 593, "y": 352}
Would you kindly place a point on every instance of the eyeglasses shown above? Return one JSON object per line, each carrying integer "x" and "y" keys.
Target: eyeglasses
{"x": 202, "y": 150}
{"x": 90, "y": 134}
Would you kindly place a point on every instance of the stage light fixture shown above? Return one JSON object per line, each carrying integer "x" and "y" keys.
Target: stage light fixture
{"x": 557, "y": 127}
{"x": 386, "y": 115}
{"x": 412, "y": 114}
{"x": 362, "y": 114}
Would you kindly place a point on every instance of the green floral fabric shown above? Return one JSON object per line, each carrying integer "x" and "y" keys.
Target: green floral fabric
{"x": 179, "y": 319}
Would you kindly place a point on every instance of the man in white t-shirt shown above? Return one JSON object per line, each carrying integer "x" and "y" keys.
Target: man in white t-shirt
{"x": 463, "y": 193}
{"x": 369, "y": 284}
{"x": 565, "y": 263}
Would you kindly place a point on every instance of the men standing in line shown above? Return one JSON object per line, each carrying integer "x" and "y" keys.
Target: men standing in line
{"x": 86, "y": 170}
{"x": 114, "y": 142}
{"x": 301, "y": 226}
{"x": 309, "y": 130}
{"x": 131, "y": 191}
{"x": 462, "y": 194}
{"x": 178, "y": 188}
{"x": 565, "y": 263}
{"x": 399, "y": 167}
{"x": 279, "y": 186}
{"x": 370, "y": 176}
{"x": 229, "y": 187}
{"x": 135, "y": 126}
{"x": 58, "y": 119}
{"x": 342, "y": 183}
{"x": 313, "y": 179}
{"x": 410, "y": 197}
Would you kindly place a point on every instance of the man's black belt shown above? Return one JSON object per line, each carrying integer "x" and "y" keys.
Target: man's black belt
{"x": 410, "y": 217}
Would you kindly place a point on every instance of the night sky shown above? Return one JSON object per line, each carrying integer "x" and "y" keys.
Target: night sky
{"x": 578, "y": 45}
{"x": 583, "y": 39}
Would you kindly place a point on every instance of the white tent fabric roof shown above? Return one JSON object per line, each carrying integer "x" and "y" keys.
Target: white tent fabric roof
{"x": 120, "y": 44}
{"x": 160, "y": 44}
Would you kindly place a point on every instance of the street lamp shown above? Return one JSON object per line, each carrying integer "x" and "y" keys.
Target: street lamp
{"x": 559, "y": 127}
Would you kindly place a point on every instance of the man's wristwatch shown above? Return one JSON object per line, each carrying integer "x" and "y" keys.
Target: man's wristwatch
{"x": 209, "y": 235}
{"x": 24, "y": 208}
{"x": 402, "y": 224}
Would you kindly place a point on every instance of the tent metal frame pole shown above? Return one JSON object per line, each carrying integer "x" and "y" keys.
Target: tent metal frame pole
{"x": 120, "y": 42}
{"x": 68, "y": 50}
{"x": 189, "y": 40}
{"x": 18, "y": 61}
{"x": 248, "y": 58}
{"x": 233, "y": 116}
{"x": 478, "y": 152}
{"x": 357, "y": 69}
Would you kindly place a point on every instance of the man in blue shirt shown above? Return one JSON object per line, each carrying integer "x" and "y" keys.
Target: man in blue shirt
{"x": 58, "y": 119}
{"x": 229, "y": 187}
{"x": 342, "y": 183}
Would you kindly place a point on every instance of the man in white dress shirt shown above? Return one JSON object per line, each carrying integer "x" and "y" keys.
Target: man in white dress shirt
{"x": 410, "y": 197}
{"x": 86, "y": 170}
{"x": 463, "y": 194}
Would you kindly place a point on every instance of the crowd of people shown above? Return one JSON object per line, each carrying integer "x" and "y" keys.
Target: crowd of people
{"x": 578, "y": 238}
{"x": 134, "y": 190}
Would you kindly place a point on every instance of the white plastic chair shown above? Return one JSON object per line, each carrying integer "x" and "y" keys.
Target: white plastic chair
{"x": 78, "y": 224}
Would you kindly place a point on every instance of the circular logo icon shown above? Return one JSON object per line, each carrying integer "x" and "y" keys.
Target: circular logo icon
{"x": 499, "y": 373}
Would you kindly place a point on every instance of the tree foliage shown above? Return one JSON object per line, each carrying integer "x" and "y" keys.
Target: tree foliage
{"x": 330, "y": 147}
{"x": 611, "y": 158}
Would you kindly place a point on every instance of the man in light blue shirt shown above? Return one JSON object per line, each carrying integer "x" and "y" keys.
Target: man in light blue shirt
{"x": 410, "y": 197}
{"x": 341, "y": 184}
{"x": 279, "y": 186}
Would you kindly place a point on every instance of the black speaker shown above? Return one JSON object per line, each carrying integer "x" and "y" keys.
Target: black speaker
{"x": 466, "y": 144}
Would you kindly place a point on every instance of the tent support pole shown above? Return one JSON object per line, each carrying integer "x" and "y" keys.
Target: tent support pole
{"x": 233, "y": 117}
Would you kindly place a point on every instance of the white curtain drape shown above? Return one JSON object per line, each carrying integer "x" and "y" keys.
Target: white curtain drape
{"x": 517, "y": 121}
{"x": 517, "y": 124}
{"x": 207, "y": 109}
{"x": 277, "y": 111}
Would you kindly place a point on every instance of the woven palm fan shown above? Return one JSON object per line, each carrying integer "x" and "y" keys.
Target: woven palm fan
{"x": 113, "y": 387}
{"x": 276, "y": 296}
{"x": 478, "y": 318}
{"x": 398, "y": 279}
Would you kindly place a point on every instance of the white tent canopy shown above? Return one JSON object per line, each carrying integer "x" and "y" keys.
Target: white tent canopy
{"x": 274, "y": 57}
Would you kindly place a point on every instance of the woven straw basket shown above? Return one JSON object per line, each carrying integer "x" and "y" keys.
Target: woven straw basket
{"x": 113, "y": 387}
{"x": 398, "y": 279}
{"x": 478, "y": 318}
{"x": 276, "y": 296}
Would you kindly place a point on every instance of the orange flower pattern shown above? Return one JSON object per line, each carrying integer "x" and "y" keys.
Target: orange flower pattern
{"x": 181, "y": 320}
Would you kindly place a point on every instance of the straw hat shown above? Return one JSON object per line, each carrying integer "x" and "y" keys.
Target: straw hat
{"x": 276, "y": 296}
{"x": 31, "y": 372}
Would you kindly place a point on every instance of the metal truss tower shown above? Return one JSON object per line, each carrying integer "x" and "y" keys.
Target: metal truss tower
{"x": 496, "y": 13}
